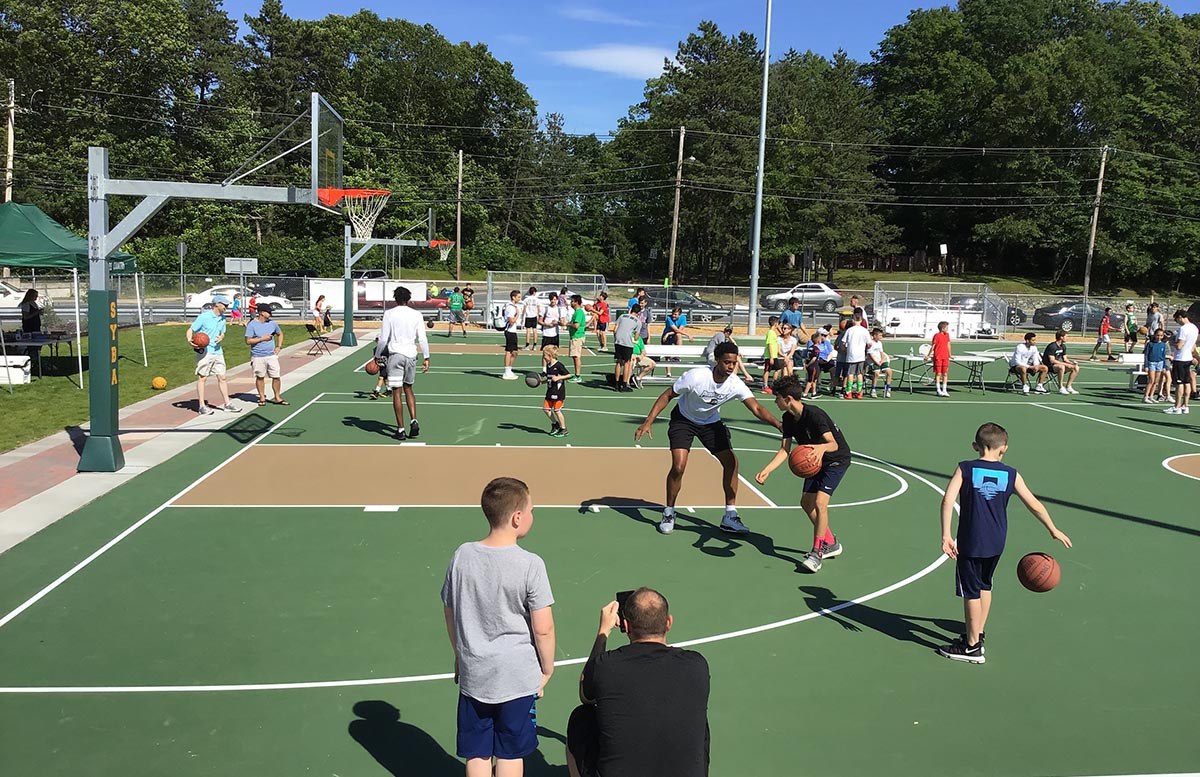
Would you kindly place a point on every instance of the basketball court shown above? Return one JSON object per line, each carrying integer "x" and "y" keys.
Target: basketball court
{"x": 269, "y": 604}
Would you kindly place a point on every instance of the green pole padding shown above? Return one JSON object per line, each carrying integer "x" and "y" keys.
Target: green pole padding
{"x": 348, "y": 316}
{"x": 102, "y": 450}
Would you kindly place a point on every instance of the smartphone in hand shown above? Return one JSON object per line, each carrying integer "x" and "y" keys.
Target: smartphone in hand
{"x": 622, "y": 597}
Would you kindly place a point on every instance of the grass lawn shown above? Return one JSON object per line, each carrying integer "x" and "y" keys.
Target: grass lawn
{"x": 54, "y": 402}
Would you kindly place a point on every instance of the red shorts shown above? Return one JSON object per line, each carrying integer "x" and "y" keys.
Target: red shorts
{"x": 941, "y": 366}
{"x": 555, "y": 404}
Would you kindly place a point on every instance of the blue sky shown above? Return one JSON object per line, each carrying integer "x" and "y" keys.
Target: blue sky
{"x": 589, "y": 59}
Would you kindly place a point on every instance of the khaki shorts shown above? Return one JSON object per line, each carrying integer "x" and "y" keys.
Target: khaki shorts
{"x": 210, "y": 364}
{"x": 265, "y": 366}
{"x": 577, "y": 346}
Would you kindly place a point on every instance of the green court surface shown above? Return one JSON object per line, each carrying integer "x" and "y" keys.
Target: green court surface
{"x": 282, "y": 639}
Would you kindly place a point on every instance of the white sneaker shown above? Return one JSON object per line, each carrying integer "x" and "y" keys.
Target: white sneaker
{"x": 1147, "y": 401}
{"x": 1025, "y": 388}
{"x": 231, "y": 408}
{"x": 509, "y": 376}
{"x": 206, "y": 410}
{"x": 1063, "y": 391}
{"x": 1172, "y": 410}
{"x": 1185, "y": 409}
{"x": 1040, "y": 389}
{"x": 667, "y": 524}
{"x": 1072, "y": 390}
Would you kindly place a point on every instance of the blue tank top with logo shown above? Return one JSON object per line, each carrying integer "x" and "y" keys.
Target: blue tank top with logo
{"x": 983, "y": 500}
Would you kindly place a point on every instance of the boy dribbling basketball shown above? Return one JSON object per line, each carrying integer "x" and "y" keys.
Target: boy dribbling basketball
{"x": 556, "y": 390}
{"x": 810, "y": 425}
{"x": 985, "y": 485}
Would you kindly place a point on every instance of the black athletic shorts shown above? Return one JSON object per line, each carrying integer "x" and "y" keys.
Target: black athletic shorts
{"x": 1181, "y": 371}
{"x": 583, "y": 739}
{"x": 510, "y": 342}
{"x": 1131, "y": 337}
{"x": 774, "y": 365}
{"x": 680, "y": 433}
{"x": 549, "y": 340}
{"x": 531, "y": 323}
{"x": 622, "y": 353}
{"x": 973, "y": 574}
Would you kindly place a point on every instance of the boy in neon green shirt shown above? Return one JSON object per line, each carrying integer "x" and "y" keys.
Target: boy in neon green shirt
{"x": 578, "y": 327}
{"x": 772, "y": 364}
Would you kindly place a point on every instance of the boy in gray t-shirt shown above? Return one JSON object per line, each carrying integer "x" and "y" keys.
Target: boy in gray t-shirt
{"x": 497, "y": 602}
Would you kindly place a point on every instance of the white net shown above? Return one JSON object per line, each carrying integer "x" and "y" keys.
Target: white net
{"x": 362, "y": 207}
{"x": 443, "y": 247}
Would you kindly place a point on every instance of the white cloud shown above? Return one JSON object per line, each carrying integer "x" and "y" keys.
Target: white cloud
{"x": 639, "y": 62}
{"x": 582, "y": 13}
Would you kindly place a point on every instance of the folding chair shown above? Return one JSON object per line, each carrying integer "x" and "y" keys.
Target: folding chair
{"x": 319, "y": 344}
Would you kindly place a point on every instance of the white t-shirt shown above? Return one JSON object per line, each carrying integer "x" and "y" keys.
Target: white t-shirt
{"x": 856, "y": 339}
{"x": 403, "y": 330}
{"x": 1187, "y": 334}
{"x": 701, "y": 397}
{"x": 511, "y": 312}
{"x": 875, "y": 352}
{"x": 532, "y": 306}
{"x": 1027, "y": 355}
{"x": 550, "y": 319}
{"x": 786, "y": 344}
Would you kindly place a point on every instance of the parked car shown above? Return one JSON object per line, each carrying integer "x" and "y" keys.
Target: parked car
{"x": 697, "y": 309}
{"x": 919, "y": 318}
{"x": 369, "y": 275}
{"x": 1015, "y": 316}
{"x": 811, "y": 295}
{"x": 10, "y": 296}
{"x": 1069, "y": 315}
{"x": 203, "y": 299}
{"x": 292, "y": 284}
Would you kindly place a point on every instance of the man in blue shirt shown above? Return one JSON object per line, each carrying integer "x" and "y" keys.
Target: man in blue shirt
{"x": 210, "y": 359}
{"x": 265, "y": 339}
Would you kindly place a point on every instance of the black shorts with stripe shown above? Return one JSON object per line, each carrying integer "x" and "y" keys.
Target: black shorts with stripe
{"x": 681, "y": 432}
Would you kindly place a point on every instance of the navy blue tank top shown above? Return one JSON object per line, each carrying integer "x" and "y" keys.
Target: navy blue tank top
{"x": 983, "y": 500}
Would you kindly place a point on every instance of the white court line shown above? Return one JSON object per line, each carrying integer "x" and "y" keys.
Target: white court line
{"x": 770, "y": 502}
{"x": 648, "y": 399}
{"x": 381, "y": 508}
{"x": 448, "y": 675}
{"x": 106, "y": 546}
{"x": 1119, "y": 426}
{"x": 1167, "y": 465}
{"x": 475, "y": 505}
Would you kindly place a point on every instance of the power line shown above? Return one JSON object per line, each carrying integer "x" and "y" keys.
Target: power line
{"x": 1083, "y": 200}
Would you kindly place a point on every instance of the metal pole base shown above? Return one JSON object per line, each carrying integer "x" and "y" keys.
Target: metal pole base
{"x": 101, "y": 454}
{"x": 348, "y": 337}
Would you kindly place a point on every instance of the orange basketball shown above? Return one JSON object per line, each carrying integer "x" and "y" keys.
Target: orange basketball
{"x": 200, "y": 339}
{"x": 371, "y": 367}
{"x": 1038, "y": 572}
{"x": 805, "y": 461}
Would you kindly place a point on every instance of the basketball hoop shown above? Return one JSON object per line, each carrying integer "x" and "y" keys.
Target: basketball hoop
{"x": 361, "y": 206}
{"x": 443, "y": 247}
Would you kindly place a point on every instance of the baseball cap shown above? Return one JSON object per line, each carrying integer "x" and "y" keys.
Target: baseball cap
{"x": 265, "y": 307}
{"x": 221, "y": 299}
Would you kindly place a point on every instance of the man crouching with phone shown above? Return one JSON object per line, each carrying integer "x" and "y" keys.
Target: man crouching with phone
{"x": 645, "y": 705}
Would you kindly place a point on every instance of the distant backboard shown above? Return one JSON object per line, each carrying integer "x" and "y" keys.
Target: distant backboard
{"x": 326, "y": 148}
{"x": 237, "y": 265}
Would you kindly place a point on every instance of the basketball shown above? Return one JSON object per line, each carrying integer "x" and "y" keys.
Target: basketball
{"x": 159, "y": 383}
{"x": 371, "y": 367}
{"x": 1038, "y": 572}
{"x": 533, "y": 379}
{"x": 200, "y": 339}
{"x": 1143, "y": 330}
{"x": 429, "y": 324}
{"x": 805, "y": 461}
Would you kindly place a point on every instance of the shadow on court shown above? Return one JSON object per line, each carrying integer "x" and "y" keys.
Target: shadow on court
{"x": 905, "y": 628}
{"x": 709, "y": 540}
{"x": 524, "y": 428}
{"x": 403, "y": 749}
{"x": 369, "y": 425}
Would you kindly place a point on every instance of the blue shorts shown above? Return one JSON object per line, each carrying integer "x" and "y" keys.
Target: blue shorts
{"x": 601, "y": 326}
{"x": 507, "y": 730}
{"x": 827, "y": 479}
{"x": 973, "y": 574}
{"x": 1156, "y": 366}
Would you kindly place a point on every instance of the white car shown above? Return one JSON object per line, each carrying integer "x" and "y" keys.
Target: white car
{"x": 918, "y": 318}
{"x": 10, "y": 296}
{"x": 811, "y": 295}
{"x": 203, "y": 299}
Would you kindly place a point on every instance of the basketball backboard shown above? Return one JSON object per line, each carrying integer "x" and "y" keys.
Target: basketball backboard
{"x": 326, "y": 149}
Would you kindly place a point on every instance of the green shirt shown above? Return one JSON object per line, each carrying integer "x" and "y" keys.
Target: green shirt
{"x": 772, "y": 344}
{"x": 578, "y": 324}
{"x": 639, "y": 346}
{"x": 456, "y": 301}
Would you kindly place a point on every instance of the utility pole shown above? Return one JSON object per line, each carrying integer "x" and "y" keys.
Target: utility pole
{"x": 675, "y": 215}
{"x": 1087, "y": 268}
{"x": 758, "y": 184}
{"x": 12, "y": 124}
{"x": 458, "y": 225}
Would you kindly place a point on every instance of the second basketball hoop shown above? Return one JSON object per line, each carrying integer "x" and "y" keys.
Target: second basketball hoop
{"x": 443, "y": 247}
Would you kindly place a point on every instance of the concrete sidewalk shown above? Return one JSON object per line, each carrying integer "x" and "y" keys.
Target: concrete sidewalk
{"x": 38, "y": 481}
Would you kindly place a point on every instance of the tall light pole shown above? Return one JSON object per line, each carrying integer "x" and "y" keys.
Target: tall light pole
{"x": 675, "y": 214}
{"x": 758, "y": 184}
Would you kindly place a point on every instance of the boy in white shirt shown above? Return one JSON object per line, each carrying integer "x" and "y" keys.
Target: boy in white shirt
{"x": 855, "y": 340}
{"x": 549, "y": 321}
{"x": 879, "y": 363}
{"x": 1027, "y": 359}
{"x": 532, "y": 307}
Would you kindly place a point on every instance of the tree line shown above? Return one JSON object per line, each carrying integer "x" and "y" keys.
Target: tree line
{"x": 980, "y": 127}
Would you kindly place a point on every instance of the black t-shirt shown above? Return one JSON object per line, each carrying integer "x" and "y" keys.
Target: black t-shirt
{"x": 810, "y": 429}
{"x": 556, "y": 389}
{"x": 1055, "y": 350}
{"x": 652, "y": 709}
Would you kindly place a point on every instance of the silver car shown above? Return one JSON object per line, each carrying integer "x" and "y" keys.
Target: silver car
{"x": 811, "y": 295}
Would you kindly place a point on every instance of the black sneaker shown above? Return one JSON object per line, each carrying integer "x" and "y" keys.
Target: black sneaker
{"x": 414, "y": 429}
{"x": 400, "y": 436}
{"x": 959, "y": 650}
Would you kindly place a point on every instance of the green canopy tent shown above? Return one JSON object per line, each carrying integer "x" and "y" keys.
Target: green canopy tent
{"x": 29, "y": 238}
